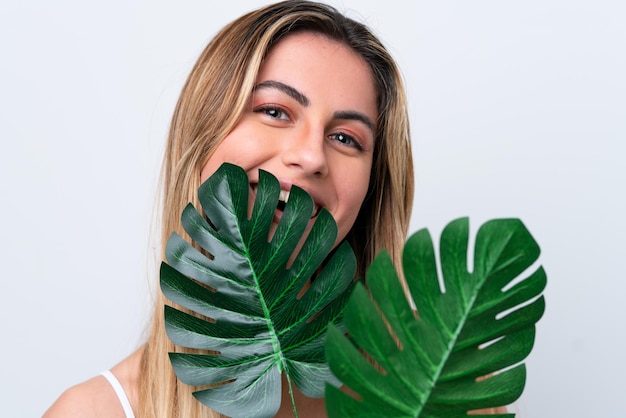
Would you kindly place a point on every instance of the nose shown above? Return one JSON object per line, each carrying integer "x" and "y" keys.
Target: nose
{"x": 305, "y": 150}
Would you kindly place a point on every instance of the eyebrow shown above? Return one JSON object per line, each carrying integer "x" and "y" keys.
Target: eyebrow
{"x": 304, "y": 101}
{"x": 285, "y": 88}
{"x": 358, "y": 116}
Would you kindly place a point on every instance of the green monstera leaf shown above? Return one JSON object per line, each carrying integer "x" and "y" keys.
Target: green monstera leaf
{"x": 246, "y": 293}
{"x": 428, "y": 362}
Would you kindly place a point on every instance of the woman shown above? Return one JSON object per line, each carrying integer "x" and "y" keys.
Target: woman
{"x": 314, "y": 98}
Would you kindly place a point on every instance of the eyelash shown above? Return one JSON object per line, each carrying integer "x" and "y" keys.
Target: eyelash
{"x": 350, "y": 138}
{"x": 271, "y": 108}
{"x": 350, "y": 141}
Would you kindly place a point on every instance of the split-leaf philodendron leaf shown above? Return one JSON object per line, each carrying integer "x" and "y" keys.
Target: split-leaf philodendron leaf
{"x": 402, "y": 363}
{"x": 245, "y": 291}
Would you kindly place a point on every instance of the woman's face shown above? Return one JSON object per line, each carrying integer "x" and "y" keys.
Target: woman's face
{"x": 311, "y": 122}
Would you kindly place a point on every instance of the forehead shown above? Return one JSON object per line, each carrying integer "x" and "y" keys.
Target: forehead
{"x": 314, "y": 63}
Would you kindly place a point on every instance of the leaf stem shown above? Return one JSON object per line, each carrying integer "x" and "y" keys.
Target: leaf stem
{"x": 293, "y": 400}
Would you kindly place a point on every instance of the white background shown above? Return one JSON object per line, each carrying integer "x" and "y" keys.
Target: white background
{"x": 518, "y": 110}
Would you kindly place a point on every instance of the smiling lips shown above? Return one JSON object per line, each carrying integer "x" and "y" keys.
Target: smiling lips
{"x": 283, "y": 198}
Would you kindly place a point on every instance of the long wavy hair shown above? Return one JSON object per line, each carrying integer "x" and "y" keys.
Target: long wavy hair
{"x": 213, "y": 98}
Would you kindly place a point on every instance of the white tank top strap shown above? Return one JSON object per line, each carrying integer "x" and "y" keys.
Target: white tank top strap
{"x": 119, "y": 391}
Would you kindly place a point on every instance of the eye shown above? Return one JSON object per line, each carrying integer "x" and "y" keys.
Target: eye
{"x": 273, "y": 112}
{"x": 346, "y": 140}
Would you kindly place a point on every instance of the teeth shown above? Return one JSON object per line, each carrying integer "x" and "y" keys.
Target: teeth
{"x": 316, "y": 210}
{"x": 284, "y": 197}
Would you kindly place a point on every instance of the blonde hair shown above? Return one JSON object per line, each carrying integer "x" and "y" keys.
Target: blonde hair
{"x": 214, "y": 96}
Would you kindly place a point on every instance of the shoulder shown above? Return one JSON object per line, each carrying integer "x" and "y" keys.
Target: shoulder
{"x": 96, "y": 397}
{"x": 92, "y": 398}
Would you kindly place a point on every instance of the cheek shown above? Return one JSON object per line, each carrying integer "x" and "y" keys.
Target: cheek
{"x": 357, "y": 180}
{"x": 208, "y": 169}
{"x": 214, "y": 162}
{"x": 243, "y": 146}
{"x": 226, "y": 151}
{"x": 358, "y": 192}
{"x": 352, "y": 194}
